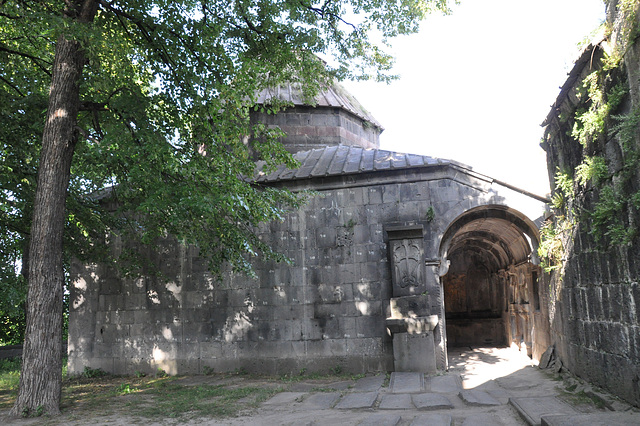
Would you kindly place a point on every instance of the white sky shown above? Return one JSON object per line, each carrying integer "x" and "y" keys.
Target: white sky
{"x": 475, "y": 85}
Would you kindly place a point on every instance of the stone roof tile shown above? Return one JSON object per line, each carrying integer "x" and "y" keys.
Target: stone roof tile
{"x": 345, "y": 160}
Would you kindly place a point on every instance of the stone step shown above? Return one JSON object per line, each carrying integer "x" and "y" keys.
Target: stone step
{"x": 392, "y": 401}
{"x": 431, "y": 401}
{"x": 449, "y": 383}
{"x": 355, "y": 401}
{"x": 478, "y": 398}
{"x": 531, "y": 409}
{"x": 592, "y": 419}
{"x": 406, "y": 382}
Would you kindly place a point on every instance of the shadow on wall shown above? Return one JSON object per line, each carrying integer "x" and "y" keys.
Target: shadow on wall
{"x": 190, "y": 323}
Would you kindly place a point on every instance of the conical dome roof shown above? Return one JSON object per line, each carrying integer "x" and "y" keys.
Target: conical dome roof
{"x": 334, "y": 96}
{"x": 334, "y": 117}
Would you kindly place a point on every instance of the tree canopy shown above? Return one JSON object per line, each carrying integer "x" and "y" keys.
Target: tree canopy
{"x": 150, "y": 99}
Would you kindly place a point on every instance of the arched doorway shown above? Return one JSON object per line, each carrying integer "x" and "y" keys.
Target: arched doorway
{"x": 490, "y": 287}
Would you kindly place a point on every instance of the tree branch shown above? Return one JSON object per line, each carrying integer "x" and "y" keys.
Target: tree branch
{"x": 166, "y": 58}
{"x": 8, "y": 83}
{"x": 34, "y": 59}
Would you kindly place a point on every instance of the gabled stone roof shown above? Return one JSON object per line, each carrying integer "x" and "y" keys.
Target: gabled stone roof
{"x": 344, "y": 160}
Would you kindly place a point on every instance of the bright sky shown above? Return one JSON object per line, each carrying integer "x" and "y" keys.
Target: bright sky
{"x": 475, "y": 85}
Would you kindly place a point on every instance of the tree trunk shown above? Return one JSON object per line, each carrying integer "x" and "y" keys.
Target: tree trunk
{"x": 41, "y": 373}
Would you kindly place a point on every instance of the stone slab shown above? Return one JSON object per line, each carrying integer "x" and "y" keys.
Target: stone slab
{"x": 514, "y": 383}
{"x": 353, "y": 401}
{"x": 406, "y": 382}
{"x": 478, "y": 398}
{"x": 432, "y": 420}
{"x": 482, "y": 420}
{"x": 431, "y": 401}
{"x": 322, "y": 400}
{"x": 531, "y": 409}
{"x": 593, "y": 419}
{"x": 401, "y": 401}
{"x": 369, "y": 383}
{"x": 450, "y": 383}
{"x": 341, "y": 385}
{"x": 285, "y": 398}
{"x": 381, "y": 420}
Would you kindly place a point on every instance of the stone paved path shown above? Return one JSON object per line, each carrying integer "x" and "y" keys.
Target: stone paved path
{"x": 483, "y": 387}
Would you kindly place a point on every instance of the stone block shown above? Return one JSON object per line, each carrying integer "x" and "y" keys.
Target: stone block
{"x": 409, "y": 306}
{"x": 391, "y": 193}
{"x": 364, "y": 346}
{"x": 326, "y": 237}
{"x": 311, "y": 329}
{"x": 353, "y": 401}
{"x": 370, "y": 326}
{"x": 477, "y": 397}
{"x": 210, "y": 350}
{"x": 431, "y": 401}
{"x": 364, "y": 307}
{"x": 396, "y": 402}
{"x": 374, "y": 194}
{"x": 531, "y": 409}
{"x": 371, "y": 271}
{"x": 414, "y": 352}
{"x": 409, "y": 212}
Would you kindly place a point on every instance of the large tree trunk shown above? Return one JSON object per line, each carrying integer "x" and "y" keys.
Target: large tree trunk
{"x": 41, "y": 375}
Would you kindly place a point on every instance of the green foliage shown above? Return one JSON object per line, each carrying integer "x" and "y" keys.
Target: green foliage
{"x": 92, "y": 373}
{"x": 592, "y": 169}
{"x": 551, "y": 248}
{"x": 166, "y": 94}
{"x": 591, "y": 123}
{"x": 430, "y": 214}
{"x": 10, "y": 374}
{"x": 193, "y": 401}
{"x": 608, "y": 217}
{"x": 564, "y": 192}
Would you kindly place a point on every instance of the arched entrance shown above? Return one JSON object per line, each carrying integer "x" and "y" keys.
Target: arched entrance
{"x": 490, "y": 287}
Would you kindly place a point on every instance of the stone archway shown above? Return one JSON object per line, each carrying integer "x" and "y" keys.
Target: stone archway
{"x": 490, "y": 291}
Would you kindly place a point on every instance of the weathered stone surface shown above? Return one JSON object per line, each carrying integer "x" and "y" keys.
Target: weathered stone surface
{"x": 369, "y": 383}
{"x": 592, "y": 419}
{"x": 358, "y": 400}
{"x": 285, "y": 398}
{"x": 381, "y": 420}
{"x": 406, "y": 382}
{"x": 482, "y": 420}
{"x": 449, "y": 383}
{"x": 396, "y": 402}
{"x": 546, "y": 357}
{"x": 531, "y": 409}
{"x": 478, "y": 398}
{"x": 414, "y": 352}
{"x": 321, "y": 400}
{"x": 431, "y": 401}
{"x": 432, "y": 420}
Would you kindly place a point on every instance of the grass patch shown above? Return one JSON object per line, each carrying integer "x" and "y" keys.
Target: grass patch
{"x": 584, "y": 398}
{"x": 9, "y": 380}
{"x": 171, "y": 400}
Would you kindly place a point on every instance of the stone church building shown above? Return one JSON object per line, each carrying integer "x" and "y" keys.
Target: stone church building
{"x": 395, "y": 257}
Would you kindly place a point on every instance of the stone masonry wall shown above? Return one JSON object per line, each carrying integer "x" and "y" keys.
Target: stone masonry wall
{"x": 310, "y": 128}
{"x": 594, "y": 297}
{"x": 325, "y": 311}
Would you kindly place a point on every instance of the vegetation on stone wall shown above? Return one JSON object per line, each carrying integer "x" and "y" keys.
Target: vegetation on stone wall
{"x": 612, "y": 208}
